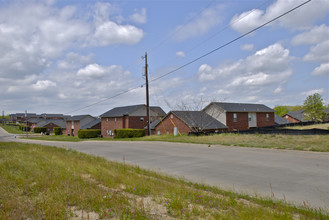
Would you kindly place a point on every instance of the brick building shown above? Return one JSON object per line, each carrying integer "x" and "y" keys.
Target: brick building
{"x": 241, "y": 116}
{"x": 128, "y": 117}
{"x": 75, "y": 123}
{"x": 185, "y": 122}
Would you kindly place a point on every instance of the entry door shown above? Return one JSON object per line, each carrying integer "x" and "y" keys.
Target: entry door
{"x": 252, "y": 119}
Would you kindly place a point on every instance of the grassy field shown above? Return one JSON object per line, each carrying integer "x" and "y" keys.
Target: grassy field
{"x": 13, "y": 129}
{"x": 291, "y": 142}
{"x": 39, "y": 182}
{"x": 319, "y": 126}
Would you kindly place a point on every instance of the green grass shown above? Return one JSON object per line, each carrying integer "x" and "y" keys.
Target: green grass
{"x": 40, "y": 182}
{"x": 13, "y": 129}
{"x": 291, "y": 142}
{"x": 319, "y": 126}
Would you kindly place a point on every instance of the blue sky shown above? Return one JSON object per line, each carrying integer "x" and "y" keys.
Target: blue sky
{"x": 61, "y": 56}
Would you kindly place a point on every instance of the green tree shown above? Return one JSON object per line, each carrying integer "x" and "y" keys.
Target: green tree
{"x": 281, "y": 110}
{"x": 314, "y": 109}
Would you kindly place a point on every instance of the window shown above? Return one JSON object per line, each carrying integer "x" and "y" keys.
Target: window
{"x": 171, "y": 116}
{"x": 142, "y": 119}
{"x": 115, "y": 120}
{"x": 235, "y": 117}
{"x": 249, "y": 117}
{"x": 267, "y": 117}
{"x": 107, "y": 120}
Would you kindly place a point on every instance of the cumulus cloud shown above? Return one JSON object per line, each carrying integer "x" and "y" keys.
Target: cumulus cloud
{"x": 302, "y": 18}
{"x": 311, "y": 92}
{"x": 180, "y": 54}
{"x": 265, "y": 70}
{"x": 318, "y": 52}
{"x": 247, "y": 47}
{"x": 315, "y": 35}
{"x": 43, "y": 84}
{"x": 208, "y": 19}
{"x": 321, "y": 70}
{"x": 139, "y": 16}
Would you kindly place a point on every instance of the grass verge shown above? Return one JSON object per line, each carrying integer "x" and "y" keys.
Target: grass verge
{"x": 40, "y": 182}
{"x": 318, "y": 143}
{"x": 318, "y": 126}
{"x": 13, "y": 129}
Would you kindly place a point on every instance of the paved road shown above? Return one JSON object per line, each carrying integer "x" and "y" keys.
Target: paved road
{"x": 294, "y": 175}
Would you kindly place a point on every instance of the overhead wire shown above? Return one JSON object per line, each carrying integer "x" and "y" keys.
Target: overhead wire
{"x": 196, "y": 59}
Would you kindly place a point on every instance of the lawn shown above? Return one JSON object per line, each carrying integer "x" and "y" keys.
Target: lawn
{"x": 40, "y": 182}
{"x": 13, "y": 129}
{"x": 291, "y": 142}
{"x": 318, "y": 126}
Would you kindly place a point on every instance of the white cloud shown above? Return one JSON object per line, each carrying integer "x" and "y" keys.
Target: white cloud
{"x": 318, "y": 52}
{"x": 200, "y": 25}
{"x": 43, "y": 84}
{"x": 316, "y": 35}
{"x": 302, "y": 18}
{"x": 92, "y": 70}
{"x": 180, "y": 54}
{"x": 321, "y": 70}
{"x": 265, "y": 71}
{"x": 111, "y": 33}
{"x": 247, "y": 47}
{"x": 139, "y": 17}
{"x": 311, "y": 92}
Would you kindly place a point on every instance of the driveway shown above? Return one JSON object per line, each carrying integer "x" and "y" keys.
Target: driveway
{"x": 295, "y": 176}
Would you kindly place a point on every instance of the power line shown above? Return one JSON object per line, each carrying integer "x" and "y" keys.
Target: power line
{"x": 196, "y": 59}
{"x": 230, "y": 42}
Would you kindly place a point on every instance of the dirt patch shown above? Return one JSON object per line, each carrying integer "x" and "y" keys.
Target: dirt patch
{"x": 79, "y": 214}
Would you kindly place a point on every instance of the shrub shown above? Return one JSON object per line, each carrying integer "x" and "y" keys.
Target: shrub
{"x": 39, "y": 129}
{"x": 89, "y": 133}
{"x": 128, "y": 133}
{"x": 57, "y": 130}
{"x": 24, "y": 128}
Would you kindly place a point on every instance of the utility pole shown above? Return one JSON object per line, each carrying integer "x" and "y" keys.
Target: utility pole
{"x": 147, "y": 97}
{"x": 26, "y": 123}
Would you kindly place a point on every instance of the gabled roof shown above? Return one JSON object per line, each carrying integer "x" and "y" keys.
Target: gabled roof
{"x": 198, "y": 119}
{"x": 127, "y": 110}
{"x": 242, "y": 107}
{"x": 91, "y": 124}
{"x": 78, "y": 117}
{"x": 279, "y": 120}
{"x": 60, "y": 123}
{"x": 52, "y": 115}
{"x": 299, "y": 115}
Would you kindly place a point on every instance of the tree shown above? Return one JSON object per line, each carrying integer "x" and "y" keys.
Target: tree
{"x": 281, "y": 110}
{"x": 314, "y": 109}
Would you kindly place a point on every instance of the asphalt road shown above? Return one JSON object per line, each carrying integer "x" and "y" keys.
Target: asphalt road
{"x": 295, "y": 176}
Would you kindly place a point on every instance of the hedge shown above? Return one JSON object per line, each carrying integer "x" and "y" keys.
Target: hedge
{"x": 89, "y": 133}
{"x": 39, "y": 129}
{"x": 57, "y": 130}
{"x": 128, "y": 133}
{"x": 24, "y": 128}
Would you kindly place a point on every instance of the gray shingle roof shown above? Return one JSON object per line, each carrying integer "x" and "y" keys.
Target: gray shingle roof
{"x": 279, "y": 120}
{"x": 243, "y": 107}
{"x": 59, "y": 123}
{"x": 77, "y": 117}
{"x": 91, "y": 124}
{"x": 198, "y": 119}
{"x": 126, "y": 110}
{"x": 299, "y": 115}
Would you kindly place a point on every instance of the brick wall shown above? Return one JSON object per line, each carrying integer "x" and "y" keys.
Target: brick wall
{"x": 291, "y": 119}
{"x": 109, "y": 124}
{"x": 240, "y": 124}
{"x": 166, "y": 126}
{"x": 69, "y": 128}
{"x": 262, "y": 120}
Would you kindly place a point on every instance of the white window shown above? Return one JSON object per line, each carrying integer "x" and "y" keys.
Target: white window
{"x": 107, "y": 132}
{"x": 171, "y": 116}
{"x": 159, "y": 132}
{"x": 111, "y": 133}
{"x": 107, "y": 120}
{"x": 235, "y": 117}
{"x": 249, "y": 117}
{"x": 115, "y": 120}
{"x": 267, "y": 117}
{"x": 142, "y": 119}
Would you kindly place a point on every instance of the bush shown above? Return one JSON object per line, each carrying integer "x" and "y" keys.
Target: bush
{"x": 89, "y": 133}
{"x": 24, "y": 128}
{"x": 39, "y": 129}
{"x": 128, "y": 133}
{"x": 57, "y": 130}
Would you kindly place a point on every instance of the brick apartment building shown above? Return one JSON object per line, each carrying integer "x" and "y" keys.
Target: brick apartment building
{"x": 128, "y": 117}
{"x": 241, "y": 116}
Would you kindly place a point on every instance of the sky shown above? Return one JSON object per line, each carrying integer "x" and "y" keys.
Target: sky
{"x": 87, "y": 57}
